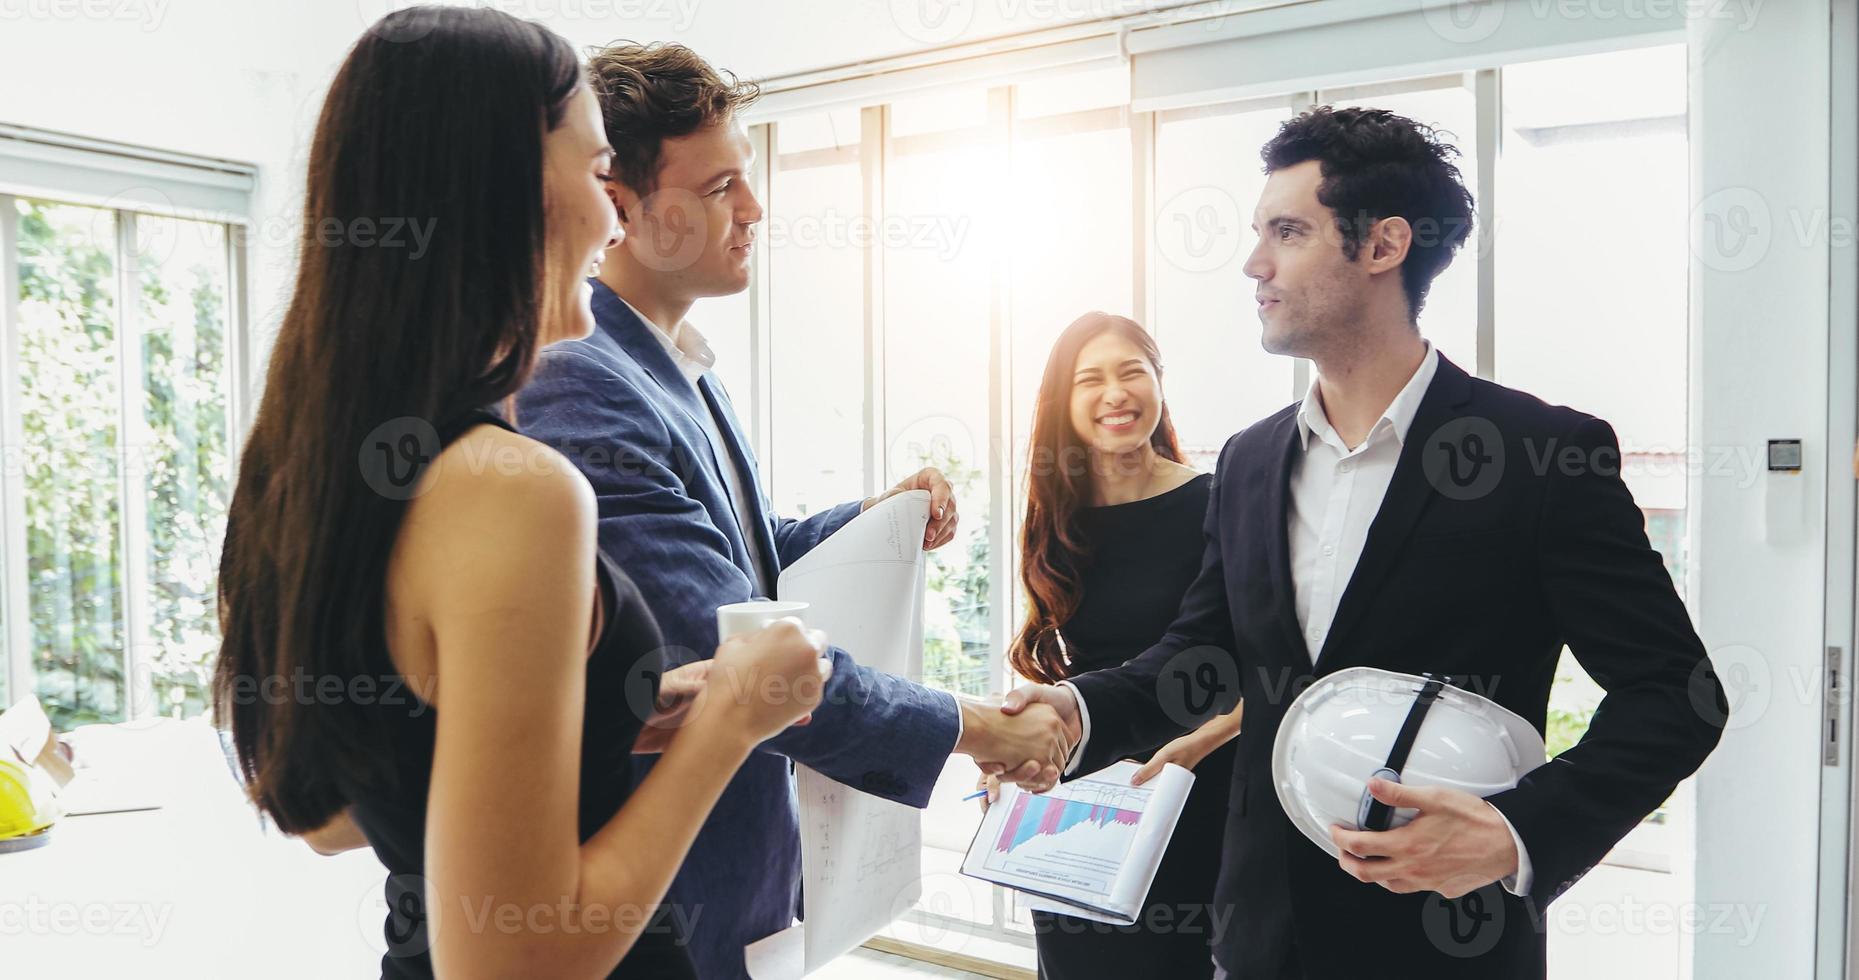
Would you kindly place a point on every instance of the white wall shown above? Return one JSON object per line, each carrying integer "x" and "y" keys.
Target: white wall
{"x": 1759, "y": 138}
{"x": 243, "y": 79}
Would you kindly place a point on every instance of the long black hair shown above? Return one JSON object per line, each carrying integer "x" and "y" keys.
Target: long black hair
{"x": 437, "y": 116}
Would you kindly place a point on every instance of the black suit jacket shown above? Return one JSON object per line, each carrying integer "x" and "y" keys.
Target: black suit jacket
{"x": 1506, "y": 533}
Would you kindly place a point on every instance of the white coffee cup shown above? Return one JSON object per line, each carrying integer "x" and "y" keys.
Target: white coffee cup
{"x": 737, "y": 618}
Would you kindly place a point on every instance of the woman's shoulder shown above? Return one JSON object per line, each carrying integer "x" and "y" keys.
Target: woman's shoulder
{"x": 496, "y": 494}
{"x": 490, "y": 467}
{"x": 1182, "y": 483}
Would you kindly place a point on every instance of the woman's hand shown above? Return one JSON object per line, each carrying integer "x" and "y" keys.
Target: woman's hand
{"x": 1188, "y": 750}
{"x": 762, "y": 682}
{"x": 677, "y": 692}
{"x": 992, "y": 784}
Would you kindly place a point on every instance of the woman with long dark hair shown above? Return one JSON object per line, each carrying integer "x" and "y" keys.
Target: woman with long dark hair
{"x": 1111, "y": 540}
{"x": 423, "y": 649}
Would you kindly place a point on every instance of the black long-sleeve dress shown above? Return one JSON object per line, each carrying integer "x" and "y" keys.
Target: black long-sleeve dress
{"x": 622, "y": 672}
{"x": 1144, "y": 554}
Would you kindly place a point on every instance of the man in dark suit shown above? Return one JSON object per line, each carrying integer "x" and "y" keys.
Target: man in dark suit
{"x": 1407, "y": 516}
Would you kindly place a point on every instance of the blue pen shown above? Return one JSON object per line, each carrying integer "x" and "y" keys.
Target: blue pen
{"x": 977, "y": 794}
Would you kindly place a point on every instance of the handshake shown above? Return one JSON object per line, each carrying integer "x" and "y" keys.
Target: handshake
{"x": 1028, "y": 738}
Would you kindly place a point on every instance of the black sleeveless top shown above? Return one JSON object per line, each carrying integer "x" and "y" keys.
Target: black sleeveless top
{"x": 622, "y": 681}
{"x": 1143, "y": 556}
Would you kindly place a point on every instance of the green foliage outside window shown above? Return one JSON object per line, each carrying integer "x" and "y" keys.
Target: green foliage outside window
{"x": 76, "y": 467}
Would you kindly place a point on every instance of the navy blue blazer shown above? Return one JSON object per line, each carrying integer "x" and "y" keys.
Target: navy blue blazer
{"x": 618, "y": 406}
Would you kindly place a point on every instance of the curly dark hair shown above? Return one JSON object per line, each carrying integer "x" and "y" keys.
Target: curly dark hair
{"x": 1378, "y": 165}
{"x": 650, "y": 93}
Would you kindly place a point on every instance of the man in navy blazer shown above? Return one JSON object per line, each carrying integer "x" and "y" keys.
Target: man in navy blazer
{"x": 637, "y": 409}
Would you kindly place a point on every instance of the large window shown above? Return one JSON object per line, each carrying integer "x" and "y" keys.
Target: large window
{"x": 1217, "y": 378}
{"x": 118, "y": 468}
{"x": 1068, "y": 245}
{"x": 1591, "y": 297}
{"x": 940, "y": 363}
{"x": 1000, "y": 213}
{"x": 815, "y": 237}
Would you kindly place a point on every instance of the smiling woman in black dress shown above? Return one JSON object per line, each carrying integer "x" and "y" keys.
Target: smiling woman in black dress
{"x": 1111, "y": 541}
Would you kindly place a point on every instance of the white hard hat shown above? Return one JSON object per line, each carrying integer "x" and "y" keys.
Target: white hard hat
{"x": 1420, "y": 731}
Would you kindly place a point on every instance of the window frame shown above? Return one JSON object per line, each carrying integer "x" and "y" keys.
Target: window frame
{"x": 18, "y": 677}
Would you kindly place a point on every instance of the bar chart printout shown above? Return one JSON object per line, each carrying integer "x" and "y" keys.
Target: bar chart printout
{"x": 1078, "y": 842}
{"x": 1089, "y": 847}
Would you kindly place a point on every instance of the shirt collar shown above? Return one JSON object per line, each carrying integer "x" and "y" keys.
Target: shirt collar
{"x": 1399, "y": 415}
{"x": 682, "y": 342}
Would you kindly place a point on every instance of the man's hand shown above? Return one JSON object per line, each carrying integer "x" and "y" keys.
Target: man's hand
{"x": 1029, "y": 747}
{"x": 677, "y": 691}
{"x": 942, "y": 516}
{"x": 1038, "y": 700}
{"x": 1458, "y": 844}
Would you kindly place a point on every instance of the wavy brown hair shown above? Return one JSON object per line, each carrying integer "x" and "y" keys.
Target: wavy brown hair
{"x": 650, "y": 93}
{"x": 1053, "y": 558}
{"x": 437, "y": 114}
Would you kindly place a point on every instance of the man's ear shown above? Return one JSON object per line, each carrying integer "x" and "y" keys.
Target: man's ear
{"x": 625, "y": 202}
{"x": 1388, "y": 241}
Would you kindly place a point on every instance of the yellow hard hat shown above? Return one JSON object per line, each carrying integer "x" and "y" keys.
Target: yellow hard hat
{"x": 21, "y": 815}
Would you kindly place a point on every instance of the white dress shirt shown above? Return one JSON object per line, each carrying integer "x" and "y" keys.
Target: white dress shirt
{"x": 692, "y": 353}
{"x": 1335, "y": 492}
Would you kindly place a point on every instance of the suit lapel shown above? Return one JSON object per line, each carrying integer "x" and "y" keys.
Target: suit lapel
{"x": 1274, "y": 528}
{"x": 1407, "y": 498}
{"x": 635, "y": 337}
{"x": 740, "y": 458}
